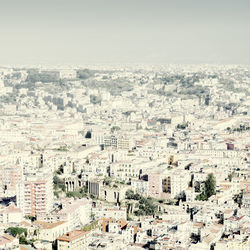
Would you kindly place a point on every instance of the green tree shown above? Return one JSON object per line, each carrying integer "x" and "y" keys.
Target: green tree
{"x": 56, "y": 194}
{"x": 92, "y": 216}
{"x": 91, "y": 226}
{"x": 83, "y": 191}
{"x": 74, "y": 194}
{"x": 56, "y": 180}
{"x": 23, "y": 240}
{"x": 115, "y": 128}
{"x": 107, "y": 181}
{"x": 58, "y": 183}
{"x": 201, "y": 197}
{"x": 14, "y": 231}
{"x": 129, "y": 194}
{"x": 210, "y": 185}
{"x": 230, "y": 176}
{"x": 140, "y": 212}
{"x": 146, "y": 207}
{"x": 209, "y": 190}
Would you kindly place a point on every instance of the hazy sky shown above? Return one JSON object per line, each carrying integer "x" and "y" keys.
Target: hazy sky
{"x": 124, "y": 31}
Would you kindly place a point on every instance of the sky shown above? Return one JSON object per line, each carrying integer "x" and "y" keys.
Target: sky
{"x": 124, "y": 31}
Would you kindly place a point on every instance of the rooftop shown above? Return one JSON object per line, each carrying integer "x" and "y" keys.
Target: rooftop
{"x": 70, "y": 236}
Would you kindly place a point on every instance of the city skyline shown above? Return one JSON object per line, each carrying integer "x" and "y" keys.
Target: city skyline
{"x": 124, "y": 124}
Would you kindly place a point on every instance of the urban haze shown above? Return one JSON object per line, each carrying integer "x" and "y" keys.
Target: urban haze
{"x": 124, "y": 124}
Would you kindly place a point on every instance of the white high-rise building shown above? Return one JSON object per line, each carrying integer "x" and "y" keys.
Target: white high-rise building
{"x": 179, "y": 183}
{"x": 35, "y": 194}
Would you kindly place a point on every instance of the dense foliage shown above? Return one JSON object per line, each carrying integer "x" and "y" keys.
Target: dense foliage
{"x": 14, "y": 231}
{"x": 209, "y": 190}
{"x": 78, "y": 194}
{"x": 146, "y": 205}
{"x": 58, "y": 183}
{"x": 91, "y": 226}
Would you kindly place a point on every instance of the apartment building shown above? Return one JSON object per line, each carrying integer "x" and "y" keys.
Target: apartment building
{"x": 10, "y": 175}
{"x": 179, "y": 182}
{"x": 35, "y": 194}
{"x": 120, "y": 142}
{"x": 155, "y": 184}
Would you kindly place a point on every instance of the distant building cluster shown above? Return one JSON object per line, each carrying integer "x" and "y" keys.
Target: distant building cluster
{"x": 125, "y": 158}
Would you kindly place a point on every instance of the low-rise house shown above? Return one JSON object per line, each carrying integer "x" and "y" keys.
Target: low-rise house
{"x": 50, "y": 231}
{"x": 206, "y": 217}
{"x": 105, "y": 225}
{"x": 233, "y": 223}
{"x": 75, "y": 240}
{"x": 10, "y": 214}
{"x": 211, "y": 234}
{"x": 43, "y": 245}
{"x": 8, "y": 242}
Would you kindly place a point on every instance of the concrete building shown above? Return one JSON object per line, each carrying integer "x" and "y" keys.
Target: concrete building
{"x": 50, "y": 231}
{"x": 8, "y": 242}
{"x": 94, "y": 186}
{"x": 35, "y": 195}
{"x": 155, "y": 184}
{"x": 179, "y": 183}
{"x": 10, "y": 214}
{"x": 140, "y": 186}
{"x": 75, "y": 240}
